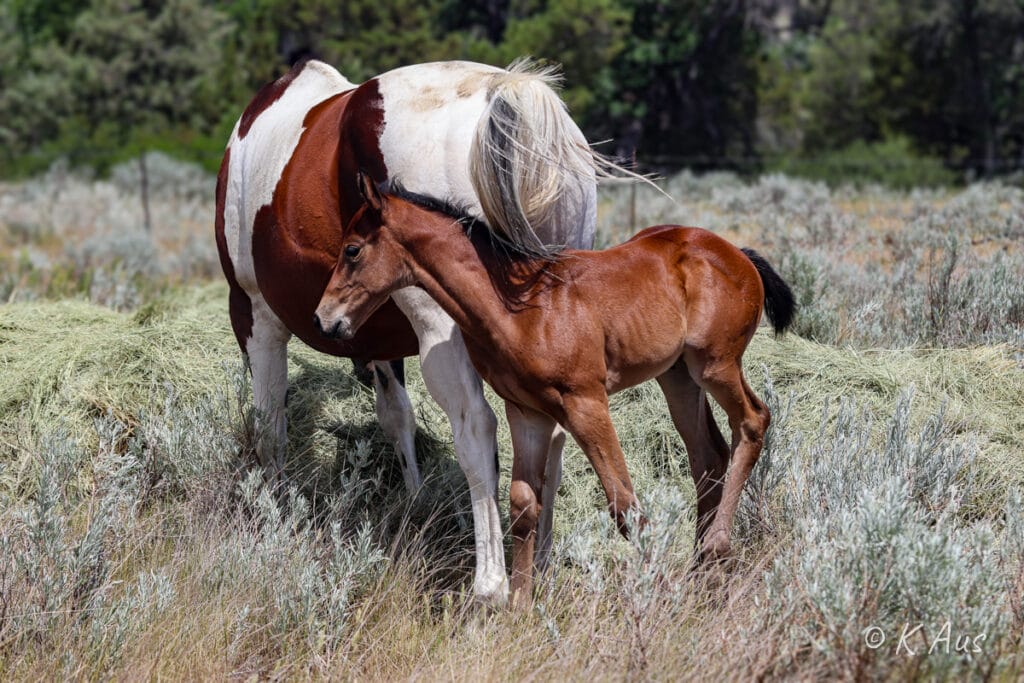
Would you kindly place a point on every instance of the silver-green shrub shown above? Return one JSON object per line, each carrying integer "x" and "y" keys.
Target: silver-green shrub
{"x": 884, "y": 564}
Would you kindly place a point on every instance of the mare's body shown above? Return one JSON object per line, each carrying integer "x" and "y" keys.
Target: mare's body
{"x": 286, "y": 189}
{"x": 554, "y": 339}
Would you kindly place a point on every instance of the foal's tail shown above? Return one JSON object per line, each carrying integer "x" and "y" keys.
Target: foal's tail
{"x": 779, "y": 304}
{"x": 528, "y": 156}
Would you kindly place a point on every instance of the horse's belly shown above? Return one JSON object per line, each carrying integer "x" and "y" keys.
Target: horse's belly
{"x": 291, "y": 279}
{"x": 283, "y": 224}
{"x": 620, "y": 378}
{"x": 644, "y": 350}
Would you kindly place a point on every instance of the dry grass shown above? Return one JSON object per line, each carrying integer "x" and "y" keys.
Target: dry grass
{"x": 133, "y": 544}
{"x": 603, "y": 614}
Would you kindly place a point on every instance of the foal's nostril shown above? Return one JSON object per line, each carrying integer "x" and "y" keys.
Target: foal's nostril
{"x": 316, "y": 322}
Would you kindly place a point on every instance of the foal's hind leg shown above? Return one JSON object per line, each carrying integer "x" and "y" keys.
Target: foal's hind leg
{"x": 396, "y": 418}
{"x": 705, "y": 446}
{"x": 749, "y": 420}
{"x": 552, "y": 480}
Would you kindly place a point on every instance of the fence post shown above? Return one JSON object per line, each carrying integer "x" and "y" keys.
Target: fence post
{"x": 632, "y": 198}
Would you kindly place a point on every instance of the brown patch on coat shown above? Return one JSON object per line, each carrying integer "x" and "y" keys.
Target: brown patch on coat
{"x": 360, "y": 130}
{"x": 296, "y": 238}
{"x": 467, "y": 87}
{"x": 429, "y": 98}
{"x": 268, "y": 94}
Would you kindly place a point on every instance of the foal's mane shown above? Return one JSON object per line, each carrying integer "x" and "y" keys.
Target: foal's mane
{"x": 513, "y": 273}
{"x": 457, "y": 212}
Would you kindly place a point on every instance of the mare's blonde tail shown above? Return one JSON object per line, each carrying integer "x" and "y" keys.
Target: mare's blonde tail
{"x": 526, "y": 152}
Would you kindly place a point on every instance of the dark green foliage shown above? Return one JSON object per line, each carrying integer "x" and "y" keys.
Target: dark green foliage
{"x": 891, "y": 162}
{"x": 947, "y": 76}
{"x": 965, "y": 95}
{"x": 685, "y": 84}
{"x": 886, "y": 91}
{"x": 125, "y": 76}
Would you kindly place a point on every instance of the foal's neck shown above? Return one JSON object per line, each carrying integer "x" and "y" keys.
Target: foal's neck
{"x": 477, "y": 287}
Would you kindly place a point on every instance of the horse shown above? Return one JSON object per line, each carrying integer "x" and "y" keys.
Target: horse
{"x": 499, "y": 140}
{"x": 555, "y": 337}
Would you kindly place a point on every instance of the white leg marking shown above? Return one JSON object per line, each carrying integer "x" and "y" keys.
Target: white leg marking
{"x": 267, "y": 349}
{"x": 394, "y": 413}
{"x": 454, "y": 384}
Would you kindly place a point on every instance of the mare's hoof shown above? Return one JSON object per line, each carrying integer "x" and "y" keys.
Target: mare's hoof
{"x": 491, "y": 596}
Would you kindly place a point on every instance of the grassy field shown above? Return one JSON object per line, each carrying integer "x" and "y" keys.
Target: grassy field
{"x": 881, "y": 534}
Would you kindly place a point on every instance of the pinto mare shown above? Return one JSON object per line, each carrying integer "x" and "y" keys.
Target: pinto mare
{"x": 555, "y": 337}
{"x": 499, "y": 141}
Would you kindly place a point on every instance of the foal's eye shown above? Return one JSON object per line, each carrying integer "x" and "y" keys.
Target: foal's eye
{"x": 351, "y": 251}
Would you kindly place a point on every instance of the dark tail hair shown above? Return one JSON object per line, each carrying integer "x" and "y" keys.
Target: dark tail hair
{"x": 779, "y": 304}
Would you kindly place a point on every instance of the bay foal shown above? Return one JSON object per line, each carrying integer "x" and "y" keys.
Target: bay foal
{"x": 555, "y": 338}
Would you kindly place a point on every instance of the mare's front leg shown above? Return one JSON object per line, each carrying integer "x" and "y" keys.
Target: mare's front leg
{"x": 588, "y": 420}
{"x": 266, "y": 350}
{"x": 532, "y": 433}
{"x": 396, "y": 418}
{"x": 455, "y": 385}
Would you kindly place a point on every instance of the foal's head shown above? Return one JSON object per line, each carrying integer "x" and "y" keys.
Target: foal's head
{"x": 371, "y": 265}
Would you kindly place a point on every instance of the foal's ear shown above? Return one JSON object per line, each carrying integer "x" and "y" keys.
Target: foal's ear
{"x": 369, "y": 191}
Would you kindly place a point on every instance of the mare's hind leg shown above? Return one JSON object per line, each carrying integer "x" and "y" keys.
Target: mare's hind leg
{"x": 532, "y": 434}
{"x": 552, "y": 480}
{"x": 705, "y": 446}
{"x": 396, "y": 418}
{"x": 454, "y": 384}
{"x": 749, "y": 420}
{"x": 267, "y": 352}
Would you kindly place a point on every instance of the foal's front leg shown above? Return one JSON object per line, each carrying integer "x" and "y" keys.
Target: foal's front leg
{"x": 588, "y": 420}
{"x": 532, "y": 433}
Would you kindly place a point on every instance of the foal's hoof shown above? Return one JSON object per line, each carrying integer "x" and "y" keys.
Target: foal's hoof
{"x": 715, "y": 551}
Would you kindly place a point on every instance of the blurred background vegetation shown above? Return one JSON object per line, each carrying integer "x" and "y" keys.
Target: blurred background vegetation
{"x": 903, "y": 92}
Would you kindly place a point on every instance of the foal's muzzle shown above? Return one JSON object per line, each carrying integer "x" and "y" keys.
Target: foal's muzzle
{"x": 339, "y": 329}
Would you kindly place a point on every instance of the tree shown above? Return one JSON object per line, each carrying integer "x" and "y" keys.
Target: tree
{"x": 962, "y": 83}
{"x": 583, "y": 36}
{"x": 34, "y": 96}
{"x": 686, "y": 83}
{"x": 139, "y": 69}
{"x": 948, "y": 76}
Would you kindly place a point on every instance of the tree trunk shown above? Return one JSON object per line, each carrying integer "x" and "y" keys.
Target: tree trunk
{"x": 981, "y": 104}
{"x": 144, "y": 191}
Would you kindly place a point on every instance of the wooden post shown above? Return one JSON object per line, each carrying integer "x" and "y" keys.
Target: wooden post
{"x": 632, "y": 198}
{"x": 144, "y": 188}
